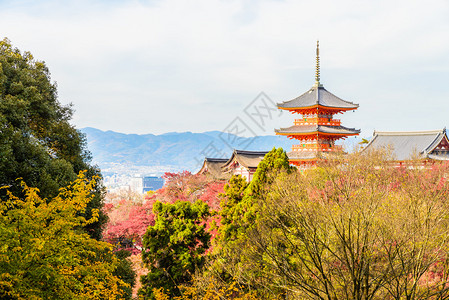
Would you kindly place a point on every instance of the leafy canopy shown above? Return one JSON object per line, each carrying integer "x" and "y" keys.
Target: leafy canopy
{"x": 39, "y": 144}
{"x": 355, "y": 227}
{"x": 44, "y": 254}
{"x": 173, "y": 249}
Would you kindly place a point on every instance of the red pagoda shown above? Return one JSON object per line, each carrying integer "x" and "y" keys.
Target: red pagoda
{"x": 317, "y": 130}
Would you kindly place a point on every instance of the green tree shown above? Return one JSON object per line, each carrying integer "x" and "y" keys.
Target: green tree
{"x": 230, "y": 213}
{"x": 38, "y": 144}
{"x": 173, "y": 249}
{"x": 274, "y": 163}
{"x": 242, "y": 204}
{"x": 44, "y": 255}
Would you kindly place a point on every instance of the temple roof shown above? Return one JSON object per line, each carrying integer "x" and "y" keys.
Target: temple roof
{"x": 408, "y": 144}
{"x": 317, "y": 95}
{"x": 247, "y": 159}
{"x": 213, "y": 166}
{"x": 310, "y": 129}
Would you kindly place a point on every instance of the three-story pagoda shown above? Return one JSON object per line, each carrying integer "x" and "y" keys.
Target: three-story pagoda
{"x": 317, "y": 130}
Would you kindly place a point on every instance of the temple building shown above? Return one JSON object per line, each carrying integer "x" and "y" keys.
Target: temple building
{"x": 410, "y": 145}
{"x": 213, "y": 166}
{"x": 317, "y": 130}
{"x": 243, "y": 163}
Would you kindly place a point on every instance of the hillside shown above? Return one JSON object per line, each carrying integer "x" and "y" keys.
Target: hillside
{"x": 116, "y": 152}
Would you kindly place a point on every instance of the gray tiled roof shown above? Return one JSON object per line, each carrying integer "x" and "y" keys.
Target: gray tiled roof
{"x": 317, "y": 128}
{"x": 408, "y": 144}
{"x": 318, "y": 95}
{"x": 247, "y": 159}
{"x": 213, "y": 167}
{"x": 216, "y": 160}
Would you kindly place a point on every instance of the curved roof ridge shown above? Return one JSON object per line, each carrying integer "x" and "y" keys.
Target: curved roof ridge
{"x": 249, "y": 152}
{"x": 349, "y": 102}
{"x": 214, "y": 159}
{"x": 318, "y": 95}
{"x": 408, "y": 132}
{"x": 303, "y": 94}
{"x": 250, "y": 162}
{"x": 317, "y": 128}
{"x": 436, "y": 141}
{"x": 405, "y": 144}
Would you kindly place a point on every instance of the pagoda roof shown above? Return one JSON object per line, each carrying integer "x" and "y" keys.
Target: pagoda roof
{"x": 408, "y": 144}
{"x": 247, "y": 159}
{"x": 317, "y": 96}
{"x": 303, "y": 155}
{"x": 213, "y": 167}
{"x": 310, "y": 155}
{"x": 311, "y": 129}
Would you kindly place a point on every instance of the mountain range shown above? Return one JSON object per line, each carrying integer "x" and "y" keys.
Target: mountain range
{"x": 116, "y": 152}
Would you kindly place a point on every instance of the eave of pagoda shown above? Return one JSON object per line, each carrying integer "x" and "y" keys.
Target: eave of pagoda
{"x": 317, "y": 109}
{"x": 303, "y": 162}
{"x": 316, "y": 135}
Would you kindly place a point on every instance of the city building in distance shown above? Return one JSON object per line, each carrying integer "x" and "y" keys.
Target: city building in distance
{"x": 143, "y": 184}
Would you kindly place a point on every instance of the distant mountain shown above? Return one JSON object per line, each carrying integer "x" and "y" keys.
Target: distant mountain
{"x": 170, "y": 151}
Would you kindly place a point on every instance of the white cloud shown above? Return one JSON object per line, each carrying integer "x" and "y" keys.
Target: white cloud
{"x": 194, "y": 65}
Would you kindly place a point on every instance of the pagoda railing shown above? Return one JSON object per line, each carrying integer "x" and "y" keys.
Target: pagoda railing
{"x": 317, "y": 147}
{"x": 318, "y": 121}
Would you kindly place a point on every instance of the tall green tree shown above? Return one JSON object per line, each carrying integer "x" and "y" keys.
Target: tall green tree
{"x": 241, "y": 201}
{"x": 37, "y": 142}
{"x": 242, "y": 204}
{"x": 173, "y": 249}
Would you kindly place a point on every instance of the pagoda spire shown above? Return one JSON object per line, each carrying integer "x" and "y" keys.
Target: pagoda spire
{"x": 317, "y": 71}
{"x": 317, "y": 131}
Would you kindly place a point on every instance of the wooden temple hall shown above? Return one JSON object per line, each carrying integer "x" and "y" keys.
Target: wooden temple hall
{"x": 317, "y": 130}
{"x": 241, "y": 162}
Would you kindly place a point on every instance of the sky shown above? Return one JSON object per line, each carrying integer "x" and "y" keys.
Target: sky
{"x": 174, "y": 65}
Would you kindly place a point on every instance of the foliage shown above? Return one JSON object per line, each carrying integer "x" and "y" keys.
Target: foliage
{"x": 275, "y": 162}
{"x": 38, "y": 143}
{"x": 230, "y": 213}
{"x": 186, "y": 186}
{"x": 130, "y": 216}
{"x": 239, "y": 203}
{"x": 125, "y": 272}
{"x": 128, "y": 222}
{"x": 241, "y": 206}
{"x": 44, "y": 255}
{"x": 231, "y": 291}
{"x": 353, "y": 228}
{"x": 174, "y": 247}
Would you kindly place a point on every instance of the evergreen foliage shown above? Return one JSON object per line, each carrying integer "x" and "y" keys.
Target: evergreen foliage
{"x": 241, "y": 207}
{"x": 38, "y": 144}
{"x": 173, "y": 249}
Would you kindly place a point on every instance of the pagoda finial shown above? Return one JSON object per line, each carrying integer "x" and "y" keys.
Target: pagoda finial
{"x": 317, "y": 72}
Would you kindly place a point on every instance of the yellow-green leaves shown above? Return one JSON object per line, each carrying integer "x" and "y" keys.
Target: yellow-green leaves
{"x": 44, "y": 254}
